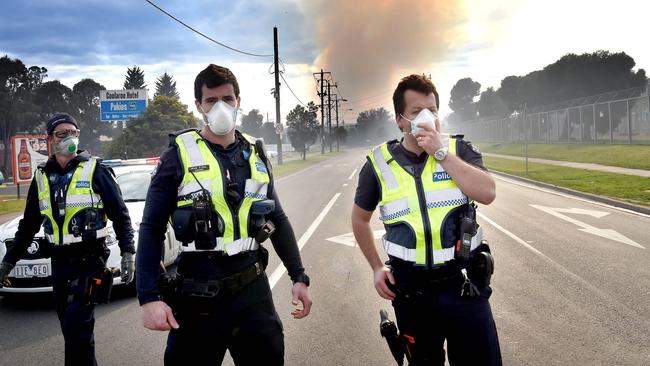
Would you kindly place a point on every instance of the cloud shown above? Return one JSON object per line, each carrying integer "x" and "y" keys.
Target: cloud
{"x": 94, "y": 32}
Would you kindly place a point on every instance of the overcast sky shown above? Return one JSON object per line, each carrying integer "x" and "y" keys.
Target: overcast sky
{"x": 368, "y": 45}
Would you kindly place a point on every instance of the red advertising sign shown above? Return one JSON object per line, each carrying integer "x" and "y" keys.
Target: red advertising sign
{"x": 27, "y": 153}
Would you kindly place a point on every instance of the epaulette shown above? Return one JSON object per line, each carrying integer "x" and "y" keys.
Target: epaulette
{"x": 174, "y": 135}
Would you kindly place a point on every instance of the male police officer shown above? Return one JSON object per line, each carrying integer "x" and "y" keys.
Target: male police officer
{"x": 424, "y": 185}
{"x": 73, "y": 195}
{"x": 217, "y": 187}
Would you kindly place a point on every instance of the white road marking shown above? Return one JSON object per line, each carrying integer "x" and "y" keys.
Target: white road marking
{"x": 352, "y": 175}
{"x": 279, "y": 271}
{"x": 605, "y": 233}
{"x": 349, "y": 240}
{"x": 512, "y": 181}
{"x": 547, "y": 259}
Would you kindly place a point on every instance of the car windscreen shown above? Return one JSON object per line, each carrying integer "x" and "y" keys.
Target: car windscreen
{"x": 134, "y": 184}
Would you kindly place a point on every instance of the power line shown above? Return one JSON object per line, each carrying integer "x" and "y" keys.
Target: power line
{"x": 203, "y": 35}
{"x": 294, "y": 94}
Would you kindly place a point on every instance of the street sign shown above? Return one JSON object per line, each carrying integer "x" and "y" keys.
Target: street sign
{"x": 120, "y": 105}
{"x": 27, "y": 153}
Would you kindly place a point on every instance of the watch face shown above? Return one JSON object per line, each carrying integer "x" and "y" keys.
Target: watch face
{"x": 440, "y": 154}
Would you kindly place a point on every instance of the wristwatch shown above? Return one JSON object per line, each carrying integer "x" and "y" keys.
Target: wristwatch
{"x": 302, "y": 278}
{"x": 441, "y": 153}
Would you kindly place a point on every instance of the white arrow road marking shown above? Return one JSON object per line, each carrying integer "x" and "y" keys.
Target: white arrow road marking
{"x": 348, "y": 239}
{"x": 605, "y": 233}
{"x": 580, "y": 211}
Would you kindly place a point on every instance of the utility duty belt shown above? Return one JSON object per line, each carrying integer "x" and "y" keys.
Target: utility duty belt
{"x": 179, "y": 289}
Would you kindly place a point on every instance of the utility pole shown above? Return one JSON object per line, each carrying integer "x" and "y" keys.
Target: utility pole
{"x": 320, "y": 79}
{"x": 322, "y": 116}
{"x": 278, "y": 121}
{"x": 337, "y": 100}
{"x": 329, "y": 114}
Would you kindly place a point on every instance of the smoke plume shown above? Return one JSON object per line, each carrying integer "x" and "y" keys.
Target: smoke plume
{"x": 368, "y": 45}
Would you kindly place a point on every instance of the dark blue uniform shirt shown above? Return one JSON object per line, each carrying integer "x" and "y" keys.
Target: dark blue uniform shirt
{"x": 161, "y": 202}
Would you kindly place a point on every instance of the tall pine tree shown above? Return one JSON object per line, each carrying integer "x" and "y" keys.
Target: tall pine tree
{"x": 165, "y": 85}
{"x": 134, "y": 78}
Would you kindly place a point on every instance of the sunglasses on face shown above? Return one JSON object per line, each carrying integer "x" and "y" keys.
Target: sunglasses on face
{"x": 65, "y": 133}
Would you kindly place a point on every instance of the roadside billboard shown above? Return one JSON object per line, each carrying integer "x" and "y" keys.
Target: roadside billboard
{"x": 27, "y": 152}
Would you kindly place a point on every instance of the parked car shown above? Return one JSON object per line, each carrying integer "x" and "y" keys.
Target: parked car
{"x": 2, "y": 178}
{"x": 33, "y": 272}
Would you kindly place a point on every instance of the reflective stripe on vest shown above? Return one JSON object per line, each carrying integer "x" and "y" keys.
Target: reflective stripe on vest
{"x": 200, "y": 166}
{"x": 232, "y": 248}
{"x": 400, "y": 203}
{"x": 79, "y": 196}
{"x": 439, "y": 255}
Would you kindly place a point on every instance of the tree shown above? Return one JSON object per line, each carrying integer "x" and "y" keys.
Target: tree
{"x": 267, "y": 132}
{"x": 303, "y": 127}
{"x": 572, "y": 76}
{"x": 462, "y": 98}
{"x": 375, "y": 124}
{"x": 86, "y": 111}
{"x": 165, "y": 85}
{"x": 491, "y": 105}
{"x": 53, "y": 97}
{"x": 148, "y": 134}
{"x": 17, "y": 86}
{"x": 134, "y": 78}
{"x": 252, "y": 122}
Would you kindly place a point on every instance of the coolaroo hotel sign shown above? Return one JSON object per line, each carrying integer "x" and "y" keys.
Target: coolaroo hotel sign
{"x": 120, "y": 105}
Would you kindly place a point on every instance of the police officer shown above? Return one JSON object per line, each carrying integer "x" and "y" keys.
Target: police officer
{"x": 217, "y": 187}
{"x": 73, "y": 195}
{"x": 424, "y": 185}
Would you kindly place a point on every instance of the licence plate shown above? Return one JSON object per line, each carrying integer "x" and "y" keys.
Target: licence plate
{"x": 31, "y": 270}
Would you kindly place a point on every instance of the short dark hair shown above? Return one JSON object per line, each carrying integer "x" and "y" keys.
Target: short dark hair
{"x": 419, "y": 83}
{"x": 213, "y": 76}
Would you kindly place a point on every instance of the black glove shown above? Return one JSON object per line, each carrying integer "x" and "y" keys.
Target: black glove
{"x": 5, "y": 269}
{"x": 128, "y": 268}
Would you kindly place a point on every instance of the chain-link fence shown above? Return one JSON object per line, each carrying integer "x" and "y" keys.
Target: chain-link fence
{"x": 619, "y": 117}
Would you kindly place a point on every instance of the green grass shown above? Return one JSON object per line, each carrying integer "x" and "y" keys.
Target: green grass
{"x": 626, "y": 156}
{"x": 624, "y": 187}
{"x": 9, "y": 205}
{"x": 295, "y": 165}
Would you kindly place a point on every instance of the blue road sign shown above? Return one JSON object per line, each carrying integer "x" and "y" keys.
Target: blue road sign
{"x": 122, "y": 110}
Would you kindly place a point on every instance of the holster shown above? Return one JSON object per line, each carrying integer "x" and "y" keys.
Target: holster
{"x": 481, "y": 265}
{"x": 91, "y": 289}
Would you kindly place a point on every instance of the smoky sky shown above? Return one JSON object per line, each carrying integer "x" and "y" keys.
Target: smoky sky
{"x": 368, "y": 45}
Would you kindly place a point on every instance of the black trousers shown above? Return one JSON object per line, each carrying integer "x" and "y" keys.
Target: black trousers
{"x": 245, "y": 323}
{"x": 427, "y": 320}
{"x": 77, "y": 318}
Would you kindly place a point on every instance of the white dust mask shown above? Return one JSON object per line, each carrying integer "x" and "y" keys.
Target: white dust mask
{"x": 425, "y": 116}
{"x": 221, "y": 118}
{"x": 67, "y": 146}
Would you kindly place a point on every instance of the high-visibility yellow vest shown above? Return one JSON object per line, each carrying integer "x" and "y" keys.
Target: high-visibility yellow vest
{"x": 422, "y": 203}
{"x": 200, "y": 165}
{"x": 79, "y": 197}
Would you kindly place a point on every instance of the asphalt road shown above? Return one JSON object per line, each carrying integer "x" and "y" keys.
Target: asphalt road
{"x": 566, "y": 290}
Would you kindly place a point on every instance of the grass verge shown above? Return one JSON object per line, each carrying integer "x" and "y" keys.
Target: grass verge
{"x": 11, "y": 205}
{"x": 628, "y": 188}
{"x": 293, "y": 166}
{"x": 625, "y": 156}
